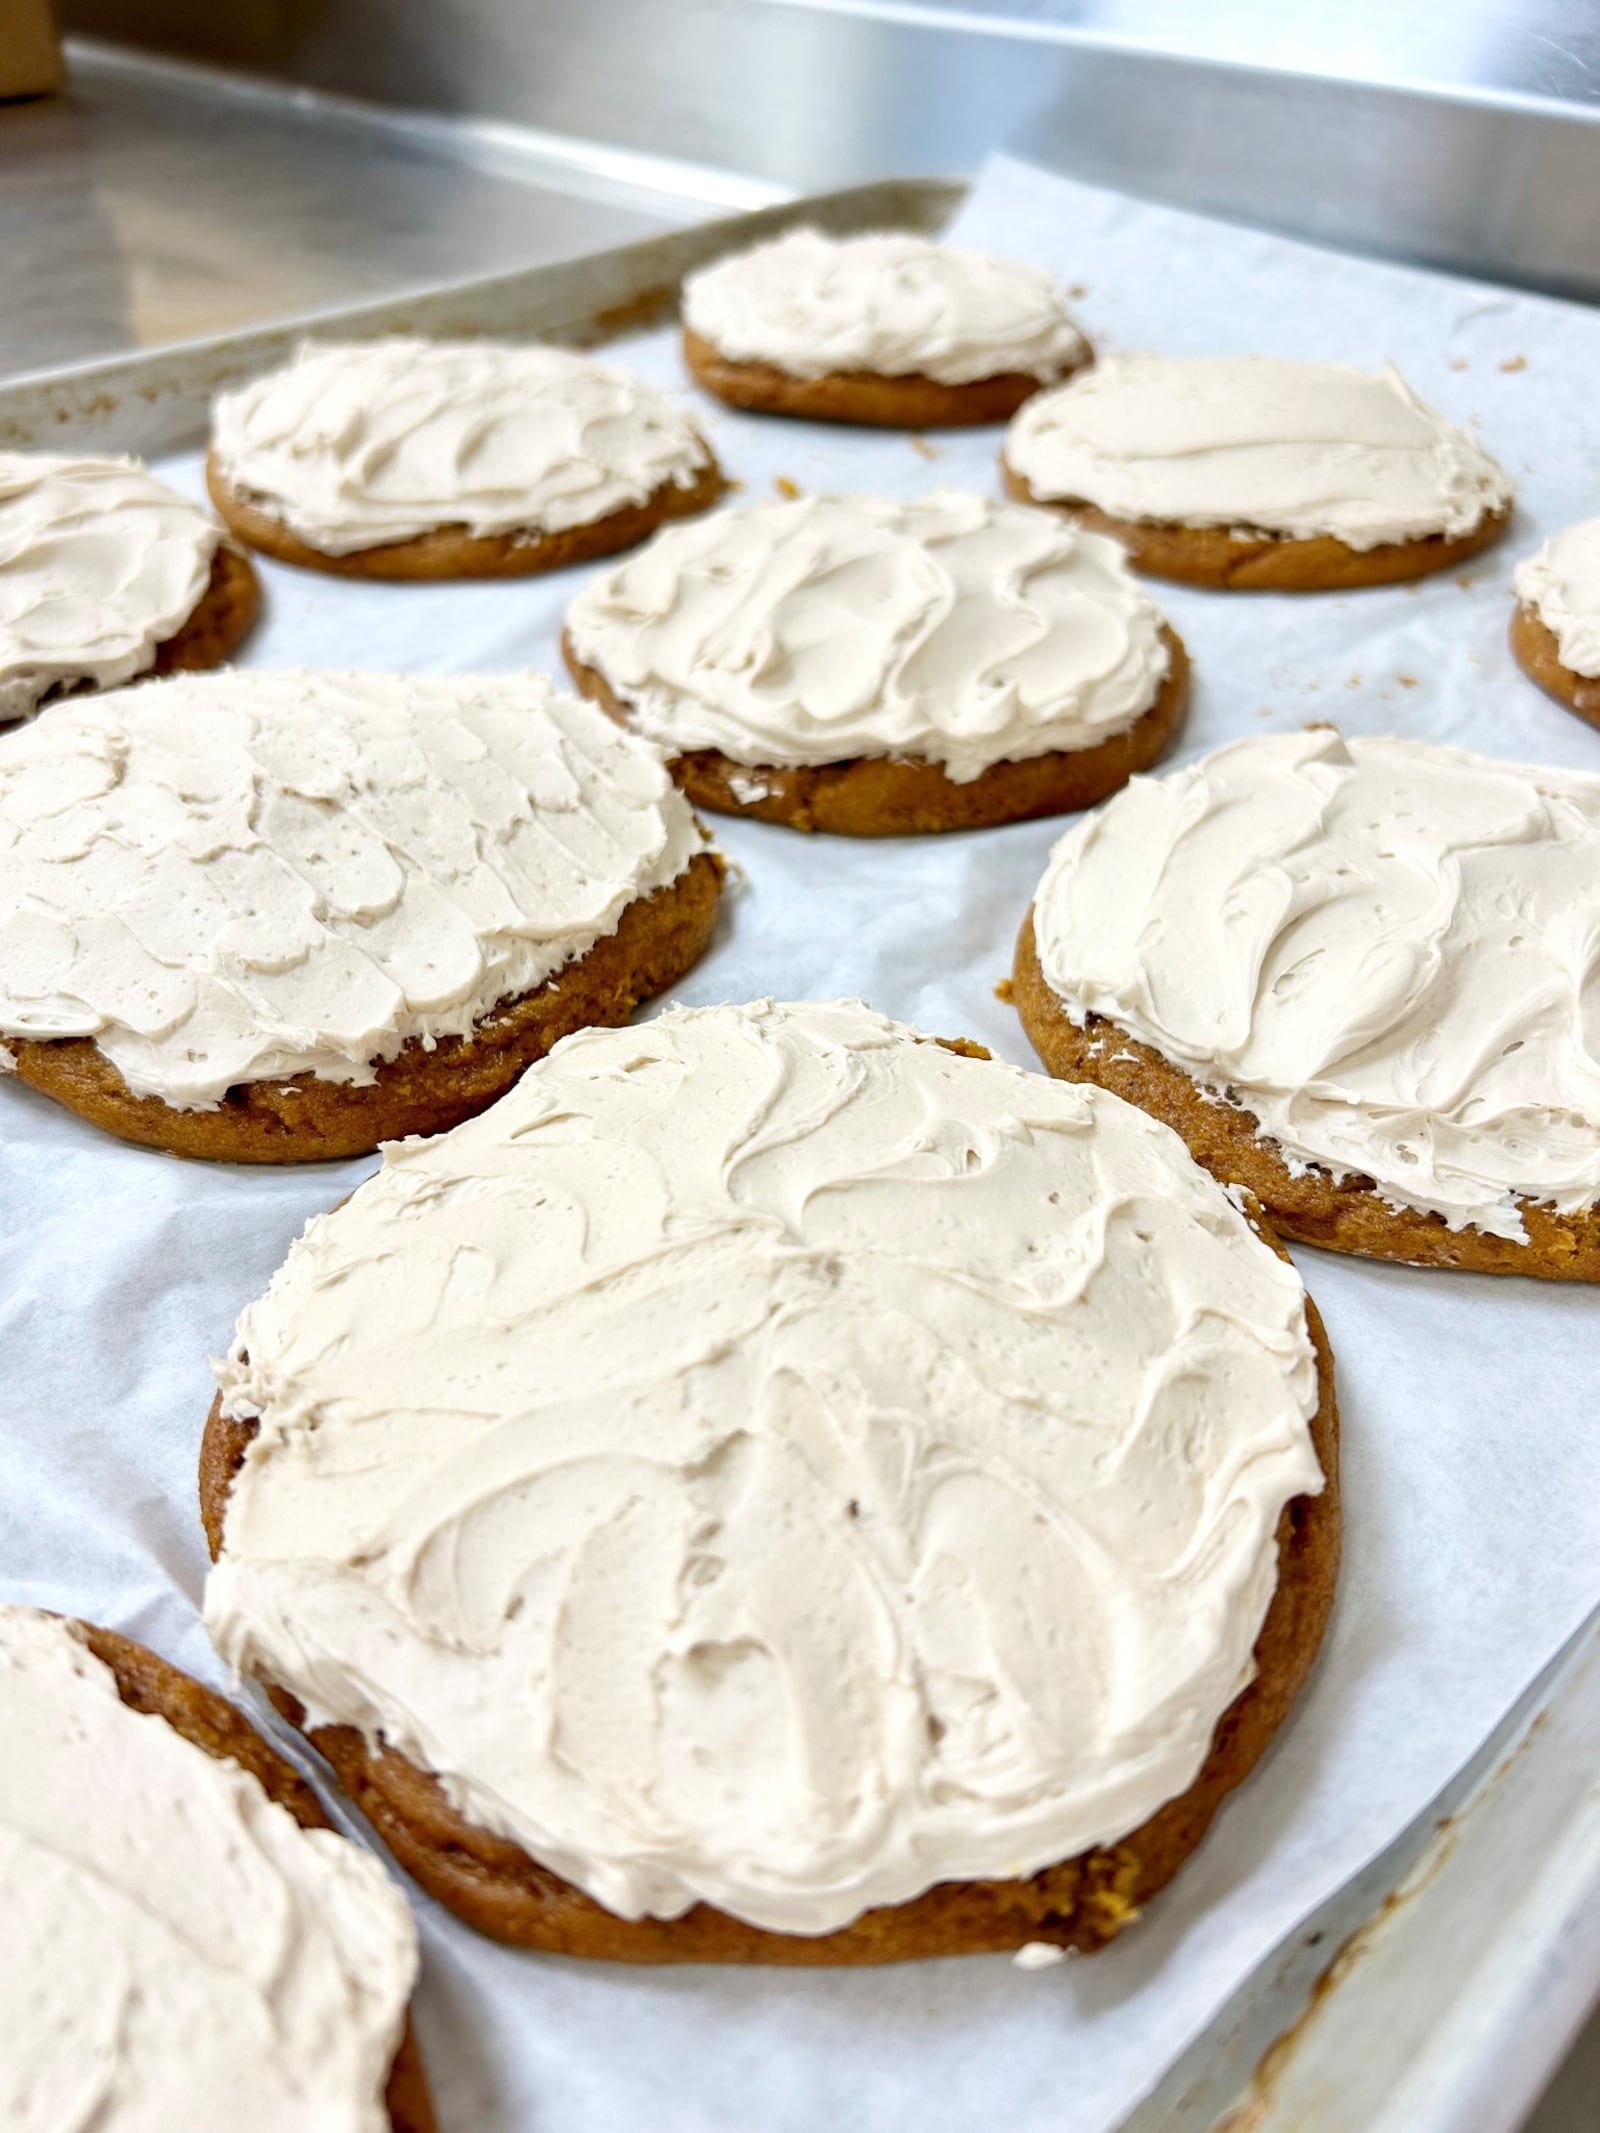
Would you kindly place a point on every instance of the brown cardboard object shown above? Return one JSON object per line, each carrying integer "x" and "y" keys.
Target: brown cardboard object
{"x": 30, "y": 50}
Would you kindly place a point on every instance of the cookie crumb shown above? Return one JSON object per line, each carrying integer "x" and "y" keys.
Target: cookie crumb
{"x": 1038, "y": 1955}
{"x": 1003, "y": 991}
{"x": 1406, "y": 681}
{"x": 1078, "y": 289}
{"x": 1513, "y": 363}
{"x": 786, "y": 487}
{"x": 1459, "y": 363}
{"x": 921, "y": 444}
{"x": 1352, "y": 681}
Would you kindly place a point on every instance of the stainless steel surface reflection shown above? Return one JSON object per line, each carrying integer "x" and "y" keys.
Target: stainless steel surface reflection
{"x": 150, "y": 205}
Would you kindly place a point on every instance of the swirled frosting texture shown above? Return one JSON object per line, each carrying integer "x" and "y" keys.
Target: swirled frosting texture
{"x": 179, "y": 1953}
{"x": 891, "y": 304}
{"x": 100, "y": 564}
{"x": 948, "y": 628}
{"x": 1562, "y": 586}
{"x": 242, "y": 877}
{"x": 355, "y": 444}
{"x": 1259, "y": 444}
{"x": 1388, "y": 953}
{"x": 770, "y": 1459}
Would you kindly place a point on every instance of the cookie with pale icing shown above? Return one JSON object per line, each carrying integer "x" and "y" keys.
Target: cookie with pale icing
{"x": 107, "y": 575}
{"x": 887, "y": 328}
{"x": 880, "y": 667}
{"x": 278, "y": 916}
{"x": 778, "y": 1488}
{"x": 1555, "y": 629}
{"x": 188, "y": 1942}
{"x": 1356, "y": 977}
{"x": 416, "y": 459}
{"x": 1256, "y": 474}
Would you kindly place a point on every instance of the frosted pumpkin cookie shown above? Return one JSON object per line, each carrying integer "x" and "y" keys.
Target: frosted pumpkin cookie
{"x": 276, "y": 916}
{"x": 451, "y": 459}
{"x": 1555, "y": 631}
{"x": 880, "y": 667}
{"x": 188, "y": 1944}
{"x": 1358, "y": 977}
{"x": 780, "y": 1489}
{"x": 1250, "y": 473}
{"x": 889, "y": 328}
{"x": 107, "y": 574}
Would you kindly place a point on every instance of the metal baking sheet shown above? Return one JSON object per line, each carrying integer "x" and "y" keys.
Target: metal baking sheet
{"x": 1283, "y": 2049}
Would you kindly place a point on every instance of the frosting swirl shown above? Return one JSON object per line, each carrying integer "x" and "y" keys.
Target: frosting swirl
{"x": 179, "y": 1951}
{"x": 100, "y": 564}
{"x": 1384, "y": 951}
{"x": 948, "y": 627}
{"x": 772, "y": 1460}
{"x": 1259, "y": 444}
{"x": 240, "y": 877}
{"x": 1562, "y": 586}
{"x": 355, "y": 444}
{"x": 891, "y": 303}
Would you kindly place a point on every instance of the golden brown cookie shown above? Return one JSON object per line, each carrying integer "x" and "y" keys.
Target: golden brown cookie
{"x": 887, "y": 796}
{"x": 1224, "y": 560}
{"x": 454, "y": 552}
{"x": 1082, "y": 1903}
{"x": 909, "y": 402}
{"x": 1308, "y": 1203}
{"x": 1536, "y": 651}
{"x": 222, "y": 619}
{"x": 306, "y": 1120}
{"x": 148, "y": 1683}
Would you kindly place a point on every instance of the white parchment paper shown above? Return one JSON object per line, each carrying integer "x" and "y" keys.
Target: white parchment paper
{"x": 1471, "y": 1431}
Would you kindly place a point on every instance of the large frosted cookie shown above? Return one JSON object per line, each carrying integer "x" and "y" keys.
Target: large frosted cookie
{"x": 1555, "y": 630}
{"x": 187, "y": 1943}
{"x": 276, "y": 916}
{"x": 777, "y": 1488}
{"x": 1250, "y": 473}
{"x": 1359, "y": 978}
{"x": 451, "y": 459}
{"x": 878, "y": 667}
{"x": 106, "y": 574}
{"x": 886, "y": 328}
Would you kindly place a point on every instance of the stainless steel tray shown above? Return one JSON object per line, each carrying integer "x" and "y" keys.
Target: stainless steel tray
{"x": 1435, "y": 1992}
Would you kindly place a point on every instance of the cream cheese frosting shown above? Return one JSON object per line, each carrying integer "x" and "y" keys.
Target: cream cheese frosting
{"x": 1562, "y": 586}
{"x": 890, "y": 303}
{"x": 1258, "y": 444}
{"x": 355, "y": 444}
{"x": 1384, "y": 951}
{"x": 100, "y": 564}
{"x": 770, "y": 1459}
{"x": 234, "y": 878}
{"x": 947, "y": 627}
{"x": 179, "y": 1953}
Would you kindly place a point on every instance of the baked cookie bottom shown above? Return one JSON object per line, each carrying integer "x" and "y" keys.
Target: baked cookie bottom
{"x": 1313, "y": 1207}
{"x": 1223, "y": 561}
{"x": 1536, "y": 650}
{"x": 908, "y": 402}
{"x": 306, "y": 1120}
{"x": 495, "y": 1886}
{"x": 888, "y": 796}
{"x": 148, "y": 1683}
{"x": 453, "y": 551}
{"x": 222, "y": 619}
